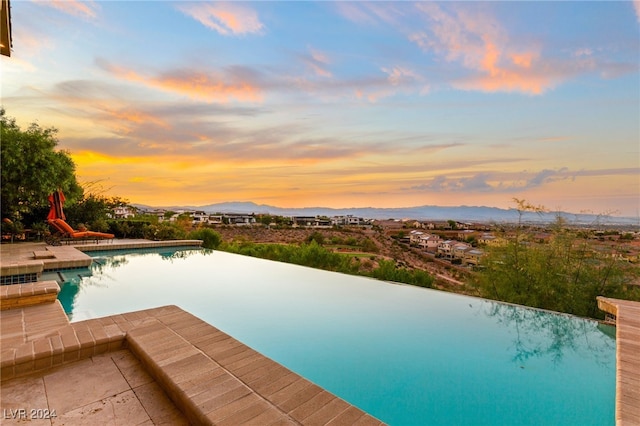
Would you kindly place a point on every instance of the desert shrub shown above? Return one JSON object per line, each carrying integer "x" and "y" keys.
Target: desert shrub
{"x": 164, "y": 231}
{"x": 210, "y": 238}
{"x": 388, "y": 271}
{"x": 317, "y": 237}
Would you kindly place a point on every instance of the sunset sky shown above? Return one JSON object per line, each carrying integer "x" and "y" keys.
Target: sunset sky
{"x": 338, "y": 104}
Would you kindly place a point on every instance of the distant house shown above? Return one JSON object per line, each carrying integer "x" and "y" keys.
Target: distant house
{"x": 442, "y": 225}
{"x": 323, "y": 222}
{"x": 200, "y": 217}
{"x": 445, "y": 249}
{"x": 305, "y": 221}
{"x": 414, "y": 237}
{"x": 124, "y": 212}
{"x": 429, "y": 242}
{"x": 239, "y": 219}
{"x": 459, "y": 250}
{"x": 215, "y": 219}
{"x": 311, "y": 221}
{"x": 348, "y": 220}
{"x": 472, "y": 257}
{"x": 490, "y": 240}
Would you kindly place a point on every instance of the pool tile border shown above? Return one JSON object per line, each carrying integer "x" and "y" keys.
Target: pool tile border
{"x": 17, "y": 296}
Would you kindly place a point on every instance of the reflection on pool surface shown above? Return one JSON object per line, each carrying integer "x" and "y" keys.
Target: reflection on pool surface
{"x": 407, "y": 355}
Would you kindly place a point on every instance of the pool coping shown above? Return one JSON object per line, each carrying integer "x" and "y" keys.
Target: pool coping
{"x": 627, "y": 319}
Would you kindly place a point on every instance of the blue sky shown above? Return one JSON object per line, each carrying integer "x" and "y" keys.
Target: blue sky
{"x": 338, "y": 104}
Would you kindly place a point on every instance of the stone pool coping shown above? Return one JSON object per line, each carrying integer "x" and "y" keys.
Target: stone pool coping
{"x": 627, "y": 318}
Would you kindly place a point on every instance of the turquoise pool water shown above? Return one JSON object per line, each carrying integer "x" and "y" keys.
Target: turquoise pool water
{"x": 407, "y": 355}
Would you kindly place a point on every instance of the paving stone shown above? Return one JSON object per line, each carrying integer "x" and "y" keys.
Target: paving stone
{"x": 90, "y": 380}
{"x": 130, "y": 368}
{"x": 158, "y": 405}
{"x": 23, "y": 393}
{"x": 123, "y": 408}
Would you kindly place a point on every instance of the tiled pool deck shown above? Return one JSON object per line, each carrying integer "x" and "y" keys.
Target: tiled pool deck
{"x": 157, "y": 366}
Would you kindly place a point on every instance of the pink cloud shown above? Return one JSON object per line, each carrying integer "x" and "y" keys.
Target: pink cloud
{"x": 225, "y": 18}
{"x": 470, "y": 35}
{"x": 318, "y": 62}
{"x": 479, "y": 42}
{"x": 82, "y": 9}
{"x": 207, "y": 86}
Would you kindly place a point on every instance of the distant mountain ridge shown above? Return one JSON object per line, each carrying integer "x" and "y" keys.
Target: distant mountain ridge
{"x": 437, "y": 213}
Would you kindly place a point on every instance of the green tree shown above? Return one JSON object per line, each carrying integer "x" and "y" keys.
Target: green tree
{"x": 32, "y": 168}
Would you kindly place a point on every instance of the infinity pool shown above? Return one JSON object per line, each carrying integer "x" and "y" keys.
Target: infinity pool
{"x": 407, "y": 355}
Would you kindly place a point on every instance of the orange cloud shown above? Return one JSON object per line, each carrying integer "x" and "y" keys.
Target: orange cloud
{"x": 195, "y": 84}
{"x": 225, "y": 18}
{"x": 480, "y": 43}
{"x": 126, "y": 119}
{"x": 82, "y": 9}
{"x": 523, "y": 60}
{"x": 203, "y": 86}
{"x": 507, "y": 81}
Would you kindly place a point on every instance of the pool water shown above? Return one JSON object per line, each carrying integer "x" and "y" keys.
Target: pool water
{"x": 407, "y": 355}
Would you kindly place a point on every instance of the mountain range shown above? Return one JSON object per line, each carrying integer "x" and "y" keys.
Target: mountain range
{"x": 458, "y": 213}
